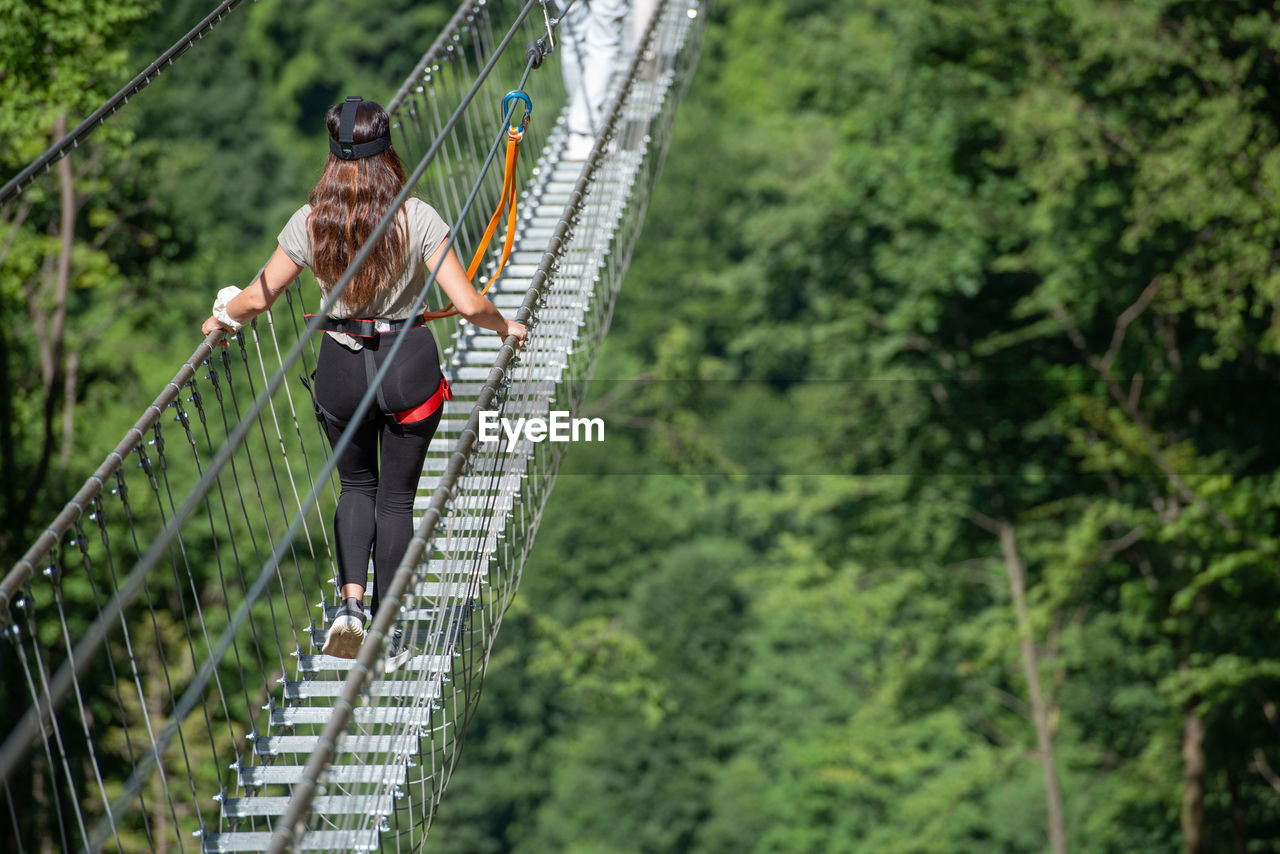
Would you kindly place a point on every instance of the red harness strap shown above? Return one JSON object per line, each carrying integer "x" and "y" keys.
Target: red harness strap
{"x": 424, "y": 410}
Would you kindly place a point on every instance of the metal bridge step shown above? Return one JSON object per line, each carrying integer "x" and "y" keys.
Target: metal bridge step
{"x": 419, "y": 663}
{"x": 448, "y": 590}
{"x": 479, "y": 368}
{"x": 401, "y": 715}
{"x": 316, "y": 840}
{"x": 473, "y": 486}
{"x": 476, "y": 519}
{"x": 268, "y": 805}
{"x": 475, "y": 498}
{"x": 472, "y": 372}
{"x": 471, "y": 503}
{"x": 514, "y": 301}
{"x": 553, "y": 335}
{"x": 284, "y": 775}
{"x": 522, "y": 406}
{"x": 519, "y": 270}
{"x": 464, "y": 567}
{"x": 278, "y": 745}
{"x": 493, "y": 521}
{"x": 310, "y": 689}
{"x": 464, "y": 545}
{"x": 548, "y": 332}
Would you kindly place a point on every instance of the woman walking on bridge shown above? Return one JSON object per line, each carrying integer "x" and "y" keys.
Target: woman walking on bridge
{"x": 379, "y": 470}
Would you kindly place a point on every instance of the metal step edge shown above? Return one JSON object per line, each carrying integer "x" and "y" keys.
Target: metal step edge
{"x": 419, "y": 663}
{"x": 426, "y": 489}
{"x": 315, "y": 689}
{"x": 279, "y": 745}
{"x": 472, "y": 503}
{"x": 408, "y": 715}
{"x": 448, "y": 590}
{"x": 283, "y": 775}
{"x": 315, "y": 840}
{"x": 467, "y": 517}
{"x": 272, "y": 805}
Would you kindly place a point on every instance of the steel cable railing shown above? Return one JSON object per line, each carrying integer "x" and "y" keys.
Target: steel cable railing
{"x": 132, "y": 763}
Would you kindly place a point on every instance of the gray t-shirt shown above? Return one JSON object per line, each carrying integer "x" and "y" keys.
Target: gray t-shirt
{"x": 427, "y": 233}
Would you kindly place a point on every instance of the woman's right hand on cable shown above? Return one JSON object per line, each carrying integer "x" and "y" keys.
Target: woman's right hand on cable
{"x": 518, "y": 329}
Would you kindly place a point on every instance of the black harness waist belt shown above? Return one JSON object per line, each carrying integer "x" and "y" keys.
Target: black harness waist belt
{"x": 367, "y": 327}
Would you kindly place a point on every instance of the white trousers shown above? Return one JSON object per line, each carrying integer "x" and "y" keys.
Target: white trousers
{"x": 590, "y": 42}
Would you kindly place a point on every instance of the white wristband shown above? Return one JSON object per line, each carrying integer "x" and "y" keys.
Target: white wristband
{"x": 225, "y": 296}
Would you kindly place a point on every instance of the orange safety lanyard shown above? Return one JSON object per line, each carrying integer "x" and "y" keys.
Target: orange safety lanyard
{"x": 507, "y": 199}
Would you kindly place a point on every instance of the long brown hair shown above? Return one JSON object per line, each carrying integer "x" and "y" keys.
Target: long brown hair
{"x": 349, "y": 200}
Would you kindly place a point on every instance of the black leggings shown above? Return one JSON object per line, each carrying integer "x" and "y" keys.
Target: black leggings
{"x": 375, "y": 507}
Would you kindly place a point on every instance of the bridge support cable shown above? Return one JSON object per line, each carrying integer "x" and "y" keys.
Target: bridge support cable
{"x": 72, "y": 140}
{"x": 217, "y": 603}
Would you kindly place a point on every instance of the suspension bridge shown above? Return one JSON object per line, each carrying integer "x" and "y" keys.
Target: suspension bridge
{"x": 161, "y": 651}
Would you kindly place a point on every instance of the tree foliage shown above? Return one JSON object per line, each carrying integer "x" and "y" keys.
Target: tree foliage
{"x": 980, "y": 297}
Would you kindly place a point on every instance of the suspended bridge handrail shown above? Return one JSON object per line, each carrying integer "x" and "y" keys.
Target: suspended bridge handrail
{"x": 99, "y": 116}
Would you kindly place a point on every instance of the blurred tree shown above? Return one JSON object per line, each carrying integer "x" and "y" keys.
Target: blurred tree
{"x": 76, "y": 247}
{"x": 1030, "y": 248}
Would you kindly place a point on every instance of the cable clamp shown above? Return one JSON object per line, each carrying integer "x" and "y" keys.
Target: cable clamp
{"x": 547, "y": 20}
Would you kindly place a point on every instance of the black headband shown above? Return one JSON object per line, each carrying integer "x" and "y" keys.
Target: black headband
{"x": 344, "y": 147}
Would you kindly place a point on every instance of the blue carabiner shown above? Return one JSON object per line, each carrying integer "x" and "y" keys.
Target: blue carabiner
{"x": 528, "y": 109}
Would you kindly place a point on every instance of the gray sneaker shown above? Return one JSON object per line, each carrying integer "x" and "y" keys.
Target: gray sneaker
{"x": 398, "y": 651}
{"x": 346, "y": 633}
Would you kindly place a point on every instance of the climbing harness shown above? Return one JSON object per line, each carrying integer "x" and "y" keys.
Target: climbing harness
{"x": 412, "y": 415}
{"x": 368, "y": 327}
{"x": 424, "y": 410}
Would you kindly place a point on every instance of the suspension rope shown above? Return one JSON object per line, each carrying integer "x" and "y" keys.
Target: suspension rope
{"x": 72, "y": 140}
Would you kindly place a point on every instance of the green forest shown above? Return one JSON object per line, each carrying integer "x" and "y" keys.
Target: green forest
{"x": 939, "y": 507}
